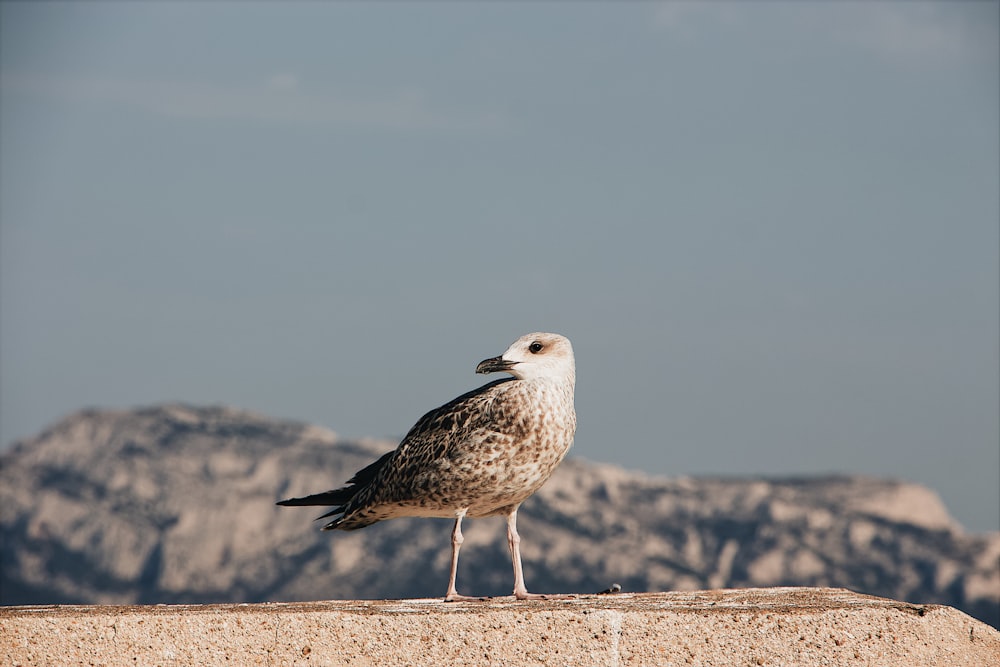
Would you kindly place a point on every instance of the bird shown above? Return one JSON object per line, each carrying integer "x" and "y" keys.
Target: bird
{"x": 479, "y": 455}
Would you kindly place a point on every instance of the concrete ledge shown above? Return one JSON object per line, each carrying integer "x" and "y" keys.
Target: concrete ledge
{"x": 775, "y": 626}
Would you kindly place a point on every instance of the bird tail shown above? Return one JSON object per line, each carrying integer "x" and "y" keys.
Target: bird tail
{"x": 334, "y": 497}
{"x": 341, "y": 498}
{"x": 337, "y": 497}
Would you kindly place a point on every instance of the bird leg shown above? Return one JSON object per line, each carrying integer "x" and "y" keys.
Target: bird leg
{"x": 456, "y": 544}
{"x": 514, "y": 543}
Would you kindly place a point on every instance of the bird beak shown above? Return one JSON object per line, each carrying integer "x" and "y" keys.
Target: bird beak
{"x": 495, "y": 364}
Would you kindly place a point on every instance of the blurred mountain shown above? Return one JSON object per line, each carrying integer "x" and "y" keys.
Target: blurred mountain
{"x": 176, "y": 504}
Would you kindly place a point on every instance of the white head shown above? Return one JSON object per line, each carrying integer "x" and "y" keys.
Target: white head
{"x": 535, "y": 356}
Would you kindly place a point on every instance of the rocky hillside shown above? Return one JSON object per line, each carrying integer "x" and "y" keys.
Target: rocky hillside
{"x": 176, "y": 504}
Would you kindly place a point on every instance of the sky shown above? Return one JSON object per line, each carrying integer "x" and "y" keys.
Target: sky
{"x": 771, "y": 230}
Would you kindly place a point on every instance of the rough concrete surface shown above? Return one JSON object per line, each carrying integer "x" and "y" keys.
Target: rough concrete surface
{"x": 773, "y": 626}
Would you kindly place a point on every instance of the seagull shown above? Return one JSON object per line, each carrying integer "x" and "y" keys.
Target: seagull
{"x": 481, "y": 454}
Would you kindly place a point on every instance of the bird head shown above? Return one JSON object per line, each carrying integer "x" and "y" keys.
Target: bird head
{"x": 535, "y": 356}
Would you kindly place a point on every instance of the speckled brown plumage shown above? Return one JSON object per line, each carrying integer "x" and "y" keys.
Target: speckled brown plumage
{"x": 481, "y": 454}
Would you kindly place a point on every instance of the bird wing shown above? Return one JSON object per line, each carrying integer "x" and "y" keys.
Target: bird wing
{"x": 415, "y": 468}
{"x": 432, "y": 443}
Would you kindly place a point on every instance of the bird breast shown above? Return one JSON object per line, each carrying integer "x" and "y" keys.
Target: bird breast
{"x": 533, "y": 424}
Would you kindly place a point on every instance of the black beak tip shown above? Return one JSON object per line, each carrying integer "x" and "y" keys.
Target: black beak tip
{"x": 493, "y": 365}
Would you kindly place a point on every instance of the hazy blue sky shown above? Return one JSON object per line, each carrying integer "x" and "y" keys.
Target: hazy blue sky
{"x": 770, "y": 230}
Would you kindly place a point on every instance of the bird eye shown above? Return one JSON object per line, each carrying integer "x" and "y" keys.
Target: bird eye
{"x": 535, "y": 347}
